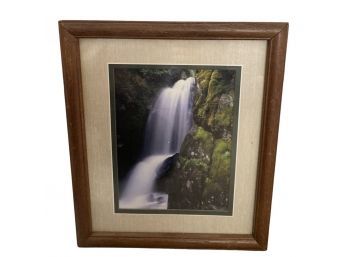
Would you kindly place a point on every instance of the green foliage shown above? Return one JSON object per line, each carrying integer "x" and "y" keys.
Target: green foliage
{"x": 216, "y": 85}
{"x": 205, "y": 138}
{"x": 167, "y": 75}
{"x": 222, "y": 120}
{"x": 213, "y": 108}
{"x": 221, "y": 160}
{"x": 157, "y": 75}
{"x": 196, "y": 165}
{"x": 203, "y": 77}
{"x": 198, "y": 143}
{"x": 217, "y": 185}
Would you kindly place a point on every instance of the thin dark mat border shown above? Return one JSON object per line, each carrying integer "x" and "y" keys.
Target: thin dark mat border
{"x": 112, "y": 87}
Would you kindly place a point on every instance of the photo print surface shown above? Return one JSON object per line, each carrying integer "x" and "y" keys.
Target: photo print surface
{"x": 174, "y": 133}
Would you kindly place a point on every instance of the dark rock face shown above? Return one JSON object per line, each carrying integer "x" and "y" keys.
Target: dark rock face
{"x": 191, "y": 170}
{"x": 201, "y": 176}
{"x": 167, "y": 166}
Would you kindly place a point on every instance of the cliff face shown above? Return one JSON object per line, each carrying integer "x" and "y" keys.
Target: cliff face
{"x": 201, "y": 175}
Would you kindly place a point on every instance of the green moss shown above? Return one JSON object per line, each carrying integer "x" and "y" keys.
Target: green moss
{"x": 201, "y": 112}
{"x": 201, "y": 134}
{"x": 211, "y": 188}
{"x": 216, "y": 186}
{"x": 211, "y": 111}
{"x": 205, "y": 139}
{"x": 203, "y": 78}
{"x": 216, "y": 86}
{"x": 221, "y": 160}
{"x": 223, "y": 119}
{"x": 198, "y": 144}
{"x": 196, "y": 165}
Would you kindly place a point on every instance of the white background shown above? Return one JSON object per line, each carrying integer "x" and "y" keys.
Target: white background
{"x": 309, "y": 212}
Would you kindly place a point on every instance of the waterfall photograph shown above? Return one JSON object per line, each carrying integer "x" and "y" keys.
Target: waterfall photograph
{"x": 174, "y": 130}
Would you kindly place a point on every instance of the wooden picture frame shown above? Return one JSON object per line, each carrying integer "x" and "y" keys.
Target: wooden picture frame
{"x": 276, "y": 36}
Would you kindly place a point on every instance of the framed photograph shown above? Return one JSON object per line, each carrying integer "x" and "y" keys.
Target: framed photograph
{"x": 173, "y": 131}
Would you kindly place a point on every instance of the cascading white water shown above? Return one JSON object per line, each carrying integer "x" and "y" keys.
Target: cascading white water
{"x": 170, "y": 119}
{"x": 137, "y": 193}
{"x": 168, "y": 123}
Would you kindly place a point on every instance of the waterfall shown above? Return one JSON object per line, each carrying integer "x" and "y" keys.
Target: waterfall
{"x": 168, "y": 123}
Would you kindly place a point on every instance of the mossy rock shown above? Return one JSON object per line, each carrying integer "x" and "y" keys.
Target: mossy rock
{"x": 213, "y": 105}
{"x": 198, "y": 143}
{"x": 216, "y": 85}
{"x": 186, "y": 184}
{"x": 222, "y": 120}
{"x": 200, "y": 178}
{"x": 203, "y": 78}
{"x": 196, "y": 165}
{"x": 217, "y": 186}
{"x": 221, "y": 159}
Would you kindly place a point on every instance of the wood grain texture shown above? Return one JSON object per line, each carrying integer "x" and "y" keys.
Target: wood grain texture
{"x": 77, "y": 140}
{"x": 274, "y": 33}
{"x": 173, "y": 30}
{"x": 269, "y": 134}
